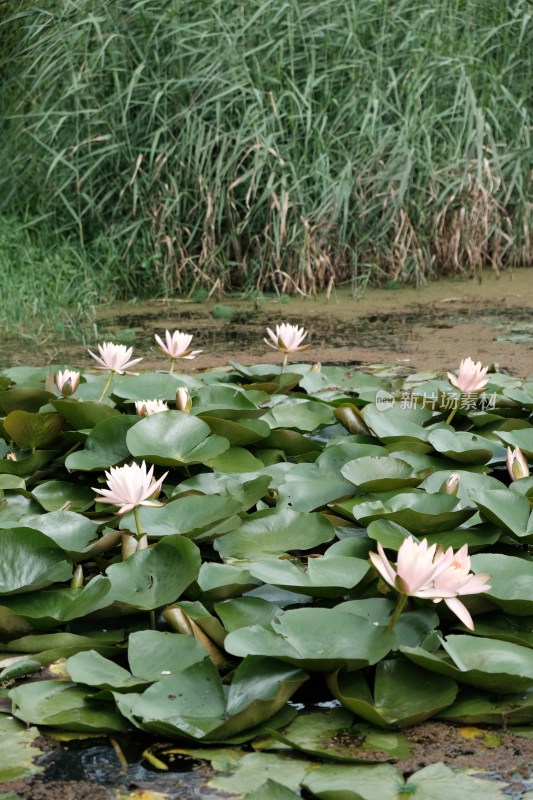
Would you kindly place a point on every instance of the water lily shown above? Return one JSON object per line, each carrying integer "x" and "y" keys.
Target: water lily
{"x": 176, "y": 346}
{"x": 115, "y": 357}
{"x": 183, "y": 400}
{"x": 425, "y": 572}
{"x": 145, "y": 408}
{"x": 517, "y": 465}
{"x": 457, "y": 578}
{"x": 415, "y": 568}
{"x": 471, "y": 376}
{"x": 287, "y": 339}
{"x": 67, "y": 381}
{"x": 131, "y": 486}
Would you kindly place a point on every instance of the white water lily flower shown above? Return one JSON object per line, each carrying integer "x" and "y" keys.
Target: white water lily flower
{"x": 115, "y": 357}
{"x": 130, "y": 486}
{"x": 471, "y": 377}
{"x": 176, "y": 345}
{"x": 457, "y": 578}
{"x": 145, "y": 408}
{"x": 67, "y": 381}
{"x": 287, "y": 338}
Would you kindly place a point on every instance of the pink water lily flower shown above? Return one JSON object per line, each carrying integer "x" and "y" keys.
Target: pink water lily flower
{"x": 457, "y": 578}
{"x": 115, "y": 357}
{"x": 287, "y": 338}
{"x": 145, "y": 408}
{"x": 517, "y": 465}
{"x": 67, "y": 381}
{"x": 471, "y": 377}
{"x": 415, "y": 568}
{"x": 131, "y": 486}
{"x": 176, "y": 345}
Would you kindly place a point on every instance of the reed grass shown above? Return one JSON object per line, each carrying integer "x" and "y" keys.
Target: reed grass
{"x": 271, "y": 144}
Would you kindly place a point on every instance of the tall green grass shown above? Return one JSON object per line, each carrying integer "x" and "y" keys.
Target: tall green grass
{"x": 287, "y": 144}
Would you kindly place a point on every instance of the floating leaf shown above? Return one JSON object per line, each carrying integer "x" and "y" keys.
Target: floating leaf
{"x": 318, "y": 639}
{"x": 62, "y": 704}
{"x": 379, "y": 474}
{"x": 156, "y": 576}
{"x": 403, "y": 694}
{"x": 105, "y": 445}
{"x": 272, "y": 532}
{"x": 173, "y": 438}
{"x": 30, "y": 560}
{"x": 33, "y": 431}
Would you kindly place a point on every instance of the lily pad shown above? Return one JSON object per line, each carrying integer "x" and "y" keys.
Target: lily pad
{"x": 403, "y": 694}
{"x": 273, "y": 531}
{"x": 317, "y": 639}
{"x": 30, "y": 560}
{"x": 173, "y": 438}
{"x": 379, "y": 474}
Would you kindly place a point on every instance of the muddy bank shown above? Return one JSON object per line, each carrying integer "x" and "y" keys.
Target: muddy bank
{"x": 425, "y": 329}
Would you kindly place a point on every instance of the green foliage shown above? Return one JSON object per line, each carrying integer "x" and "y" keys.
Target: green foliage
{"x": 267, "y": 144}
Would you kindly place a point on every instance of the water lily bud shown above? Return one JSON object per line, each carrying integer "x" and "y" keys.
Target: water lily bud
{"x": 11, "y": 456}
{"x": 316, "y": 367}
{"x": 67, "y": 382}
{"x": 350, "y": 417}
{"x": 76, "y": 581}
{"x": 451, "y": 484}
{"x": 517, "y": 465}
{"x": 183, "y": 400}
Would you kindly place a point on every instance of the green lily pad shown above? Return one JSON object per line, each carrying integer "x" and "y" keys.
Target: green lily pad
{"x": 30, "y": 560}
{"x": 170, "y": 707}
{"x": 467, "y": 448}
{"x": 511, "y": 579}
{"x": 33, "y": 431}
{"x": 156, "y": 576}
{"x": 71, "y": 531}
{"x": 63, "y": 496}
{"x": 490, "y": 664}
{"x": 325, "y": 576}
{"x": 436, "y": 782}
{"x": 17, "y": 750}
{"x": 47, "y": 607}
{"x": 506, "y": 509}
{"x": 86, "y": 415}
{"x": 150, "y": 386}
{"x": 331, "y": 734}
{"x": 522, "y": 438}
{"x": 242, "y": 612}
{"x": 62, "y": 704}
{"x": 419, "y": 512}
{"x": 300, "y": 415}
{"x": 23, "y": 398}
{"x": 172, "y": 438}
{"x": 238, "y": 432}
{"x": 379, "y": 473}
{"x": 190, "y": 516}
{"x": 273, "y": 531}
{"x": 318, "y": 639}
{"x": 105, "y": 445}
{"x": 403, "y": 694}
{"x": 477, "y": 708}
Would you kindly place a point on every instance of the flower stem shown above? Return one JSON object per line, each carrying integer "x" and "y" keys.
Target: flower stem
{"x": 106, "y": 387}
{"x": 452, "y": 413}
{"x": 285, "y": 359}
{"x": 140, "y": 533}
{"x": 402, "y": 600}
{"x": 171, "y": 370}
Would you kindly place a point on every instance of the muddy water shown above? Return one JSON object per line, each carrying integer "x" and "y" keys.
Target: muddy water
{"x": 428, "y": 328}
